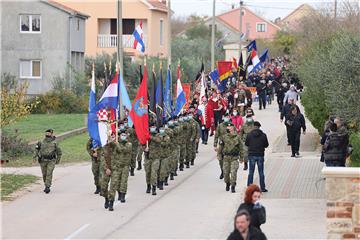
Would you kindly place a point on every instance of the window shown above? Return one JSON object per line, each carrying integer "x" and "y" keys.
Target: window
{"x": 261, "y": 27}
{"x": 30, "y": 69}
{"x": 30, "y": 23}
{"x": 161, "y": 32}
{"x": 128, "y": 26}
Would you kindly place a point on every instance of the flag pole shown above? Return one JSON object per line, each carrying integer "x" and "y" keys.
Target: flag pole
{"x": 213, "y": 38}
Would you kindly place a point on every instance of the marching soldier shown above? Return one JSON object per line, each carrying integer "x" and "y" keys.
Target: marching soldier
{"x": 174, "y": 133}
{"x": 132, "y": 138}
{"x": 152, "y": 160}
{"x": 48, "y": 153}
{"x": 164, "y": 157}
{"x": 232, "y": 151}
{"x": 183, "y": 139}
{"x": 193, "y": 137}
{"x": 95, "y": 154}
{"x": 245, "y": 129}
{"x": 218, "y": 141}
{"x": 106, "y": 167}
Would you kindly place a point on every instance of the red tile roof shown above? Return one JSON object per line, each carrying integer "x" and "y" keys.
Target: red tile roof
{"x": 66, "y": 8}
{"x": 158, "y": 5}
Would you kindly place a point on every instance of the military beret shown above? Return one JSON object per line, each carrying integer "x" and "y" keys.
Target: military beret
{"x": 50, "y": 130}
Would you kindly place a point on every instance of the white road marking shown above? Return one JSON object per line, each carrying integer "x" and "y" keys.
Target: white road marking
{"x": 74, "y": 234}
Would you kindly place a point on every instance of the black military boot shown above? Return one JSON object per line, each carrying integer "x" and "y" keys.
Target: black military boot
{"x": 171, "y": 176}
{"x": 119, "y": 195}
{"x": 153, "y": 190}
{"x": 97, "y": 191}
{"x": 122, "y": 197}
{"x": 187, "y": 164}
{"x": 47, "y": 190}
{"x": 175, "y": 173}
{"x": 166, "y": 181}
{"x": 233, "y": 188}
{"x": 161, "y": 185}
{"x": 139, "y": 166}
{"x": 132, "y": 172}
{"x": 227, "y": 187}
{"x": 106, "y": 205}
{"x": 181, "y": 167}
{"x": 245, "y": 166}
{"x": 148, "y": 189}
{"x": 111, "y": 205}
{"x": 221, "y": 175}
{"x": 192, "y": 162}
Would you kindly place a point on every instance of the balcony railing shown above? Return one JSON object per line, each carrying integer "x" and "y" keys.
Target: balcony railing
{"x": 110, "y": 41}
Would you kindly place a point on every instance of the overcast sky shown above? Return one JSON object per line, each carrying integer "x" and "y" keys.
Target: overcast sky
{"x": 271, "y": 9}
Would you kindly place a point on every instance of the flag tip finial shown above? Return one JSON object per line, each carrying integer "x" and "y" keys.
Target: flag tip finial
{"x": 145, "y": 61}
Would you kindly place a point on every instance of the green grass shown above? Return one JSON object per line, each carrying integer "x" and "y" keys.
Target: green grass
{"x": 355, "y": 156}
{"x": 73, "y": 150}
{"x": 11, "y": 183}
{"x": 32, "y": 127}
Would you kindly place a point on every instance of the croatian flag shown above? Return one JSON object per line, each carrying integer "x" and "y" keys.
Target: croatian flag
{"x": 101, "y": 118}
{"x": 180, "y": 94}
{"x": 256, "y": 64}
{"x": 138, "y": 35}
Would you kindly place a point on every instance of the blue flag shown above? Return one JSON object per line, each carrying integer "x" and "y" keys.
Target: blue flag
{"x": 264, "y": 56}
{"x": 215, "y": 77}
{"x": 167, "y": 96}
{"x": 251, "y": 46}
{"x": 159, "y": 100}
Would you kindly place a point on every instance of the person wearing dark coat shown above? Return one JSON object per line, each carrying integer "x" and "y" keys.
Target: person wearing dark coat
{"x": 252, "y": 205}
{"x": 243, "y": 230}
{"x": 296, "y": 122}
{"x": 286, "y": 113}
{"x": 280, "y": 94}
{"x": 256, "y": 141}
{"x": 335, "y": 148}
{"x": 261, "y": 92}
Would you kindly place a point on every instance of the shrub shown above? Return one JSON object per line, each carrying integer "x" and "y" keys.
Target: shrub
{"x": 12, "y": 146}
{"x": 355, "y": 156}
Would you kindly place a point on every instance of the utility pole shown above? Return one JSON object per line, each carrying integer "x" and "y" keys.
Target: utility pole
{"x": 119, "y": 37}
{"x": 213, "y": 39}
{"x": 240, "y": 28}
{"x": 335, "y": 9}
{"x": 169, "y": 31}
{"x": 120, "y": 62}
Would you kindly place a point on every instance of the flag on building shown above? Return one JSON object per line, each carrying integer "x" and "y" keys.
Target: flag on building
{"x": 101, "y": 119}
{"x": 139, "y": 41}
{"x": 139, "y": 111}
{"x": 180, "y": 94}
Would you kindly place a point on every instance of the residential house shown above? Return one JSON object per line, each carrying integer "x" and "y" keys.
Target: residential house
{"x": 39, "y": 40}
{"x": 253, "y": 26}
{"x": 101, "y": 34}
{"x": 291, "y": 22}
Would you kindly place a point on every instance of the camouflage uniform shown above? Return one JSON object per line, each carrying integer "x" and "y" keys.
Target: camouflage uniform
{"x": 152, "y": 160}
{"x": 139, "y": 157}
{"x": 232, "y": 150}
{"x": 245, "y": 129}
{"x": 175, "y": 142}
{"x": 121, "y": 160}
{"x": 220, "y": 132}
{"x": 183, "y": 137}
{"x": 190, "y": 143}
{"x": 95, "y": 162}
{"x": 132, "y": 138}
{"x": 105, "y": 164}
{"x": 165, "y": 154}
{"x": 47, "y": 161}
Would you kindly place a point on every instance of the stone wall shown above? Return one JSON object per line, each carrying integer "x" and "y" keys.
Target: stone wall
{"x": 343, "y": 202}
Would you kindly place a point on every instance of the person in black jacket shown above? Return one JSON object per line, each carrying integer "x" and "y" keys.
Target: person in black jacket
{"x": 334, "y": 148}
{"x": 252, "y": 205}
{"x": 286, "y": 113}
{"x": 296, "y": 121}
{"x": 256, "y": 141}
{"x": 261, "y": 92}
{"x": 243, "y": 230}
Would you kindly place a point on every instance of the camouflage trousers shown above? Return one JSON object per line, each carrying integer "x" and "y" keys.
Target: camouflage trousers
{"x": 175, "y": 156}
{"x": 47, "y": 169}
{"x": 119, "y": 181}
{"x": 245, "y": 153}
{"x": 164, "y": 168}
{"x": 104, "y": 184}
{"x": 140, "y": 152}
{"x": 182, "y": 153}
{"x": 190, "y": 151}
{"x": 230, "y": 168}
{"x": 95, "y": 168}
{"x": 134, "y": 153}
{"x": 220, "y": 156}
{"x": 151, "y": 171}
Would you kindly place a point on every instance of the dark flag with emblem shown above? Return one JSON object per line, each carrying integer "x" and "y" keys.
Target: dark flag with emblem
{"x": 241, "y": 67}
{"x": 160, "y": 100}
{"x": 152, "y": 109}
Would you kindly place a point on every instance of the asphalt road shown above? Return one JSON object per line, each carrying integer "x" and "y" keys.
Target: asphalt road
{"x": 194, "y": 206}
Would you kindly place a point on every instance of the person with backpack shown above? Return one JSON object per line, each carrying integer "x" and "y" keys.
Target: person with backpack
{"x": 48, "y": 153}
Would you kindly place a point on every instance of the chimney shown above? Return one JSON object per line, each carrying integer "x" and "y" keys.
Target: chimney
{"x": 232, "y": 6}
